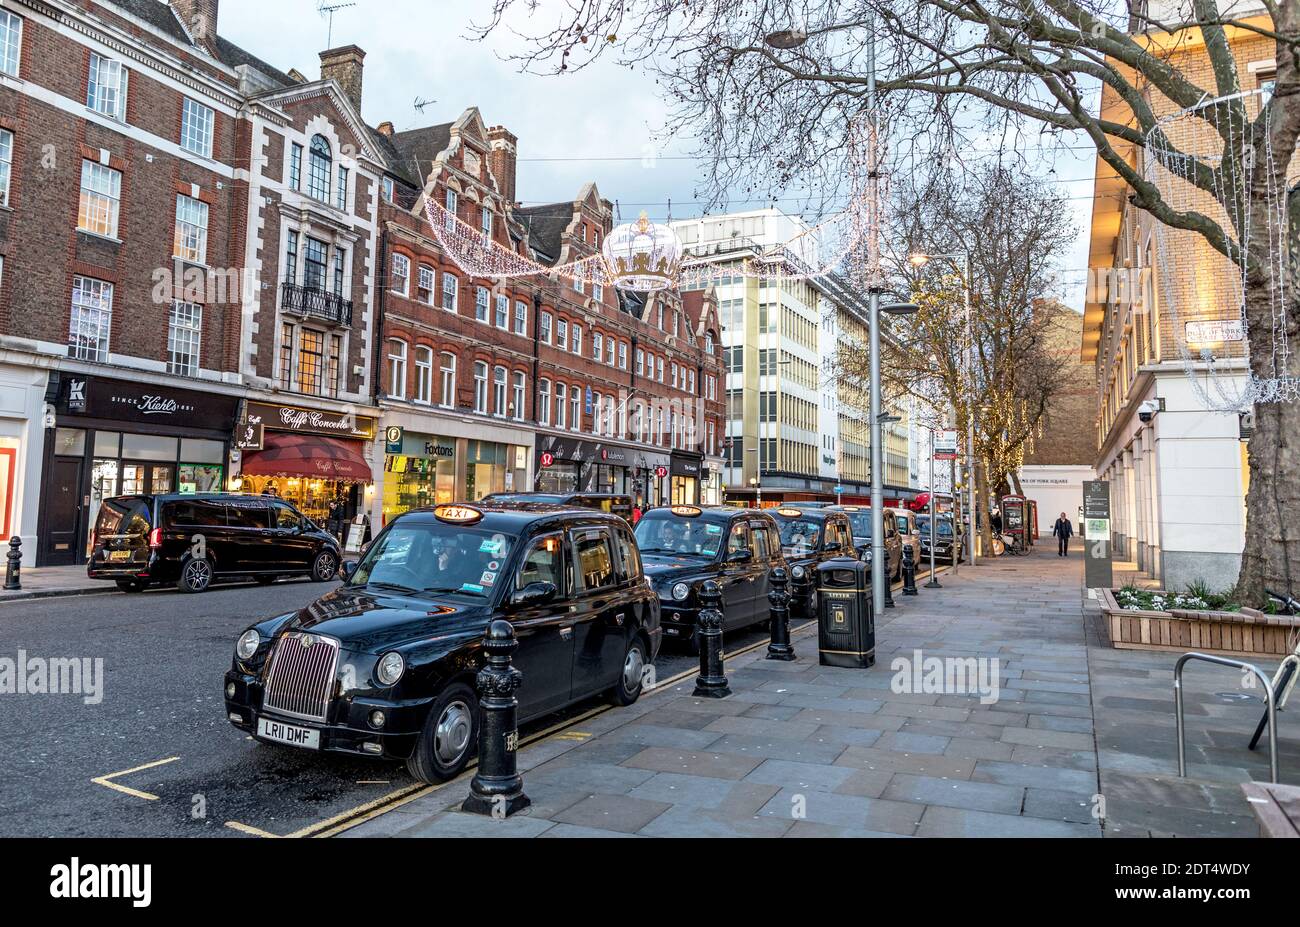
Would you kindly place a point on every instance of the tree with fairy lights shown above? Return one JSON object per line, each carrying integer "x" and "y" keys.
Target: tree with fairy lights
{"x": 769, "y": 88}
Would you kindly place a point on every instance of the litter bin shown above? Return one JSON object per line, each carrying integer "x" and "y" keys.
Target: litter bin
{"x": 846, "y": 625}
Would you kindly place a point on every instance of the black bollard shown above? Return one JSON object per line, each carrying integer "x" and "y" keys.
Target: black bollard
{"x": 712, "y": 681}
{"x": 909, "y": 571}
{"x": 889, "y": 591}
{"x": 13, "y": 569}
{"x": 497, "y": 789}
{"x": 779, "y": 608}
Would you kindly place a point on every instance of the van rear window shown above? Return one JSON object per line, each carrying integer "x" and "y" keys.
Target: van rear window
{"x": 117, "y": 516}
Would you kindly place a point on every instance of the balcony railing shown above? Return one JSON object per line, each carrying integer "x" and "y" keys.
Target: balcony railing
{"x": 309, "y": 302}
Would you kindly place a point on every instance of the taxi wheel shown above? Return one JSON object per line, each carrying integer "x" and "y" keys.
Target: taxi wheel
{"x": 196, "y": 575}
{"x": 449, "y": 736}
{"x": 632, "y": 676}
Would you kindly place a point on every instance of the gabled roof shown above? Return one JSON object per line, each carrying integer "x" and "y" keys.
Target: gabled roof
{"x": 414, "y": 151}
{"x": 545, "y": 226}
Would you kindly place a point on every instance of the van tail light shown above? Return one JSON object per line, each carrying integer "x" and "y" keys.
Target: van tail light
{"x": 155, "y": 538}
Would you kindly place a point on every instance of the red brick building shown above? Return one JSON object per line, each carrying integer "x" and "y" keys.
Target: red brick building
{"x": 148, "y": 194}
{"x": 541, "y": 382}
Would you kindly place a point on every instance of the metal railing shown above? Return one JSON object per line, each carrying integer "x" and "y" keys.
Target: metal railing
{"x": 310, "y": 302}
{"x": 1178, "y": 707}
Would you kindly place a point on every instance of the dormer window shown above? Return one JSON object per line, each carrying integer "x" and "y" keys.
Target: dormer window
{"x": 320, "y": 160}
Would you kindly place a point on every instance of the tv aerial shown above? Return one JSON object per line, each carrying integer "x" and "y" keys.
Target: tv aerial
{"x": 327, "y": 9}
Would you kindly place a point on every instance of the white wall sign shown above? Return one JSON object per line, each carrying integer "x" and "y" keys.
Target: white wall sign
{"x": 1215, "y": 331}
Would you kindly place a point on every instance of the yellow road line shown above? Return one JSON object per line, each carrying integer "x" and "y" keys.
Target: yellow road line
{"x": 105, "y": 780}
{"x": 251, "y": 831}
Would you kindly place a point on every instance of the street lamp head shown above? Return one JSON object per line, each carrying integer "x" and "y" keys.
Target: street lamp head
{"x": 899, "y": 308}
{"x": 786, "y": 38}
{"x": 916, "y": 259}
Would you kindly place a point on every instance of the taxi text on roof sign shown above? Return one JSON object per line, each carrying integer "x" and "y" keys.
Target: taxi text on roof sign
{"x": 789, "y": 513}
{"x": 688, "y": 510}
{"x": 465, "y": 514}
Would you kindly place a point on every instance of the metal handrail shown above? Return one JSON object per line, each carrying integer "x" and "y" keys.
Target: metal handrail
{"x": 1178, "y": 707}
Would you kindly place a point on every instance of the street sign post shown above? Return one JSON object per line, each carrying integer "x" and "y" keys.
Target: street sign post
{"x": 1096, "y": 534}
{"x": 945, "y": 445}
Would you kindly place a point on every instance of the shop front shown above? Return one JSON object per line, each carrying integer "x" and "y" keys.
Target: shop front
{"x": 493, "y": 467}
{"x": 318, "y": 460}
{"x": 118, "y": 437}
{"x": 686, "y": 471}
{"x": 419, "y": 471}
{"x": 567, "y": 465}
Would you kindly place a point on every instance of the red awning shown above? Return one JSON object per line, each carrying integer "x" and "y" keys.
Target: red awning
{"x": 315, "y": 457}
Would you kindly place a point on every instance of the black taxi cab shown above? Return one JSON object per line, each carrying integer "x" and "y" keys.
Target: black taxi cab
{"x": 385, "y": 664}
{"x": 685, "y": 545}
{"x": 810, "y": 536}
{"x": 860, "y": 518}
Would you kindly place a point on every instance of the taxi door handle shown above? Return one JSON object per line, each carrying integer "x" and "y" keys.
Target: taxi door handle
{"x": 566, "y": 632}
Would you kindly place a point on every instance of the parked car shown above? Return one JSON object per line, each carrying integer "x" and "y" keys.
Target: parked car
{"x": 860, "y": 517}
{"x": 946, "y": 545}
{"x": 905, "y": 523}
{"x": 385, "y": 665}
{"x": 193, "y": 540}
{"x": 810, "y": 537}
{"x": 615, "y": 503}
{"x": 683, "y": 546}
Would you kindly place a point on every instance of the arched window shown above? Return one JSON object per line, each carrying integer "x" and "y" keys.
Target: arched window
{"x": 320, "y": 162}
{"x": 447, "y": 370}
{"x": 499, "y": 392}
{"x": 480, "y": 386}
{"x": 423, "y": 373}
{"x": 396, "y": 368}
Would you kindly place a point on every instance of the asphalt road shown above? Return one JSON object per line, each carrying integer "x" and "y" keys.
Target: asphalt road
{"x": 168, "y": 761}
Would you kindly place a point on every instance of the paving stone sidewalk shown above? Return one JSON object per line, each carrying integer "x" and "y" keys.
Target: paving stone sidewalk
{"x": 805, "y": 750}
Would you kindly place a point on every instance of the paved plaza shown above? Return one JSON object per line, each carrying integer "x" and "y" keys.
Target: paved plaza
{"x": 1079, "y": 741}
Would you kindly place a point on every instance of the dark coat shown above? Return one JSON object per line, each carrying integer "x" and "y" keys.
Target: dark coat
{"x": 1063, "y": 528}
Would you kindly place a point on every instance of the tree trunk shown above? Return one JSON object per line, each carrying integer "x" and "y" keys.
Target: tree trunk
{"x": 1271, "y": 558}
{"x": 982, "y": 490}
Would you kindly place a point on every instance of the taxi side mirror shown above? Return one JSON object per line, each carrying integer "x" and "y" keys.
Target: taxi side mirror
{"x": 349, "y": 567}
{"x": 744, "y": 555}
{"x": 534, "y": 594}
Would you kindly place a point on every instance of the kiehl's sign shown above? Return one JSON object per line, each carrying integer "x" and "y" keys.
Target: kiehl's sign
{"x": 120, "y": 400}
{"x": 310, "y": 421}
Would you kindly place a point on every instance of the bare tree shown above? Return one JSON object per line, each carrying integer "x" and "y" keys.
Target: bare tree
{"x": 1013, "y": 230}
{"x": 954, "y": 72}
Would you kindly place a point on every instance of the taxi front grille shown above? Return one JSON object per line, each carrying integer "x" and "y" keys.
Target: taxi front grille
{"x": 300, "y": 680}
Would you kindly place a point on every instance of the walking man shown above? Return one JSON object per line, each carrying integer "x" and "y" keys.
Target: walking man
{"x": 1063, "y": 531}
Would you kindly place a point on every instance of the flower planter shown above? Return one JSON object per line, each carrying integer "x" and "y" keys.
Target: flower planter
{"x": 1245, "y": 632}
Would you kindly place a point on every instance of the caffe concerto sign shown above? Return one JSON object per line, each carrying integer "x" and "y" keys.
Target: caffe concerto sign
{"x": 310, "y": 421}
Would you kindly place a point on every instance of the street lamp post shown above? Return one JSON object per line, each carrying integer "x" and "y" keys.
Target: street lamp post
{"x": 757, "y": 479}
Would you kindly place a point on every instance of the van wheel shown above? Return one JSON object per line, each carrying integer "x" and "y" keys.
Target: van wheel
{"x": 628, "y": 688}
{"x": 196, "y": 575}
{"x": 324, "y": 566}
{"x": 449, "y": 737}
{"x": 130, "y": 585}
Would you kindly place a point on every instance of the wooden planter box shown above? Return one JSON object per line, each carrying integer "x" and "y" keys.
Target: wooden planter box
{"x": 1245, "y": 632}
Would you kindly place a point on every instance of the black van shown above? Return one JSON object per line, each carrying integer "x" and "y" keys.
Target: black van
{"x": 614, "y": 503}
{"x": 193, "y": 539}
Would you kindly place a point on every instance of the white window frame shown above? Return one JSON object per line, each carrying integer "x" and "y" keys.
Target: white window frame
{"x": 197, "y": 122}
{"x": 575, "y": 335}
{"x": 6, "y": 162}
{"x": 447, "y": 380}
{"x": 640, "y": 362}
{"x": 518, "y": 392}
{"x": 521, "y": 317}
{"x": 450, "y": 287}
{"x": 92, "y": 313}
{"x": 397, "y": 351}
{"x": 561, "y": 404}
{"x": 499, "y": 391}
{"x": 184, "y": 338}
{"x": 597, "y": 345}
{"x": 544, "y": 401}
{"x": 480, "y": 387}
{"x": 483, "y": 305}
{"x": 450, "y": 203}
{"x": 101, "y": 94}
{"x": 546, "y": 327}
{"x": 404, "y": 274}
{"x": 423, "y": 374}
{"x": 95, "y": 197}
{"x": 191, "y": 242}
{"x": 610, "y": 346}
{"x": 11, "y": 31}
{"x": 622, "y": 355}
{"x": 502, "y": 316}
{"x": 424, "y": 273}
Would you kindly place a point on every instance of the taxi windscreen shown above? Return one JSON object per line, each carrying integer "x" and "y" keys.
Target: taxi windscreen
{"x": 436, "y": 558}
{"x": 799, "y": 536}
{"x": 861, "y": 522}
{"x": 682, "y": 536}
{"x": 942, "y": 528}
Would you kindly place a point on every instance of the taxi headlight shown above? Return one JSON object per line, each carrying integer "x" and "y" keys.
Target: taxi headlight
{"x": 681, "y": 591}
{"x": 798, "y": 572}
{"x": 247, "y": 645}
{"x": 390, "y": 668}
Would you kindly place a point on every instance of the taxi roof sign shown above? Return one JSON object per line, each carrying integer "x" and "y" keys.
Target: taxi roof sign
{"x": 688, "y": 511}
{"x": 460, "y": 514}
{"x": 789, "y": 513}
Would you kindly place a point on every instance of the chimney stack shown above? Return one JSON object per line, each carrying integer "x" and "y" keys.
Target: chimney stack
{"x": 385, "y": 129}
{"x": 200, "y": 18}
{"x": 344, "y": 65}
{"x": 502, "y": 155}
